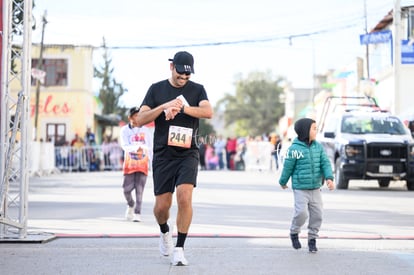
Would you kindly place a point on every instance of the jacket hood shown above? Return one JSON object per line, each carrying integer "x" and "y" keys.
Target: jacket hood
{"x": 302, "y": 128}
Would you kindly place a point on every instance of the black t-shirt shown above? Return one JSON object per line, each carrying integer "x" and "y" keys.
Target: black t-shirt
{"x": 162, "y": 92}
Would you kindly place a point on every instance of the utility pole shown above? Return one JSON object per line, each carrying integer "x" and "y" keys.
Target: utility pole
{"x": 367, "y": 45}
{"x": 397, "y": 55}
{"x": 39, "y": 67}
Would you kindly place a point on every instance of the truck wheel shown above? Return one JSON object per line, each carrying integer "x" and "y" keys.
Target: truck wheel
{"x": 383, "y": 183}
{"x": 341, "y": 181}
{"x": 410, "y": 185}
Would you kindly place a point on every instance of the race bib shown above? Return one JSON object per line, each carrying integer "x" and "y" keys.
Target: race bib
{"x": 180, "y": 136}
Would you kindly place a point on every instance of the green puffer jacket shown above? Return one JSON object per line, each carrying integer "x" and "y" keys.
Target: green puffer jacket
{"x": 307, "y": 165}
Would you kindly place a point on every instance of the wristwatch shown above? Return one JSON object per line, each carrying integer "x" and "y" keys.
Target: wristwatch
{"x": 182, "y": 110}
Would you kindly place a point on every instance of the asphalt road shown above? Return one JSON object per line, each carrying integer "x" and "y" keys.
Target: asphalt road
{"x": 225, "y": 203}
{"x": 241, "y": 224}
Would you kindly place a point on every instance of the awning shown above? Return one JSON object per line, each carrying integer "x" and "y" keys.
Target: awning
{"x": 108, "y": 120}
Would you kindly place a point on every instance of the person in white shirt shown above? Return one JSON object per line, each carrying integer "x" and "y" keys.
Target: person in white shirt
{"x": 137, "y": 145}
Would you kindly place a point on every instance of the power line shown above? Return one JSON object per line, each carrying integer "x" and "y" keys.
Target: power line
{"x": 235, "y": 42}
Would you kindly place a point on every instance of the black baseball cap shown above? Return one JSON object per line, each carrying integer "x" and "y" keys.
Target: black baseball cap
{"x": 183, "y": 62}
{"x": 133, "y": 110}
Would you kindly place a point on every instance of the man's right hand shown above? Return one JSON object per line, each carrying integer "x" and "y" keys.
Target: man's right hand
{"x": 171, "y": 112}
{"x": 172, "y": 108}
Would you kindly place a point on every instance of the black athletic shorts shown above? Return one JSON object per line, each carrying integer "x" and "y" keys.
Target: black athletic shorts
{"x": 167, "y": 174}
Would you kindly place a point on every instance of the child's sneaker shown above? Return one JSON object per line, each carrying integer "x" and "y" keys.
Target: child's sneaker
{"x": 136, "y": 218}
{"x": 295, "y": 241}
{"x": 129, "y": 213}
{"x": 312, "y": 246}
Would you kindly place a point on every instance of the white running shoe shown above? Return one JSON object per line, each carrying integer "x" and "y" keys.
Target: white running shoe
{"x": 129, "y": 213}
{"x": 166, "y": 242}
{"x": 178, "y": 258}
{"x": 136, "y": 218}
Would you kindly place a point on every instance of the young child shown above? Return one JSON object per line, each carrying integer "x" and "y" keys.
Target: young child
{"x": 308, "y": 165}
{"x": 137, "y": 145}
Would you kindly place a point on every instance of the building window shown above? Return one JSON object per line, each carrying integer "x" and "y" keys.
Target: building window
{"x": 56, "y": 71}
{"x": 56, "y": 133}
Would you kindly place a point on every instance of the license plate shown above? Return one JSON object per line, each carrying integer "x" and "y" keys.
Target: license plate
{"x": 385, "y": 168}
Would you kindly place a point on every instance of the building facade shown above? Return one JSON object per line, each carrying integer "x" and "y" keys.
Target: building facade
{"x": 63, "y": 87}
{"x": 391, "y": 61}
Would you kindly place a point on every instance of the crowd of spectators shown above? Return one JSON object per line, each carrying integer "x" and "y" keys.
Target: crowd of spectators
{"x": 235, "y": 153}
{"x": 216, "y": 153}
{"x": 84, "y": 154}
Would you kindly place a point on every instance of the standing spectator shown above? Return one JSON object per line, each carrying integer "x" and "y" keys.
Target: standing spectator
{"x": 213, "y": 160}
{"x": 78, "y": 143}
{"x": 239, "y": 163}
{"x": 219, "y": 146}
{"x": 89, "y": 137}
{"x": 115, "y": 154}
{"x": 176, "y": 104}
{"x": 231, "y": 150}
{"x": 78, "y": 156}
{"x": 209, "y": 156}
{"x": 64, "y": 153}
{"x": 202, "y": 152}
{"x": 91, "y": 158}
{"x": 75, "y": 139}
{"x": 137, "y": 144}
{"x": 277, "y": 146}
{"x": 308, "y": 165}
{"x": 106, "y": 151}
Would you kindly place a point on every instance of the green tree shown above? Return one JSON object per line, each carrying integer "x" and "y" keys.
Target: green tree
{"x": 205, "y": 128}
{"x": 111, "y": 90}
{"x": 256, "y": 107}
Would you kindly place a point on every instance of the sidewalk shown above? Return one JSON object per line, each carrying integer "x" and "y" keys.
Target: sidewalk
{"x": 240, "y": 226}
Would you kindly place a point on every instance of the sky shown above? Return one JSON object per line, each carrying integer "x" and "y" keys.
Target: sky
{"x": 228, "y": 38}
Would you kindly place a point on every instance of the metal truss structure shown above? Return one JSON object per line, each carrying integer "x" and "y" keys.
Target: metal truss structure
{"x": 14, "y": 136}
